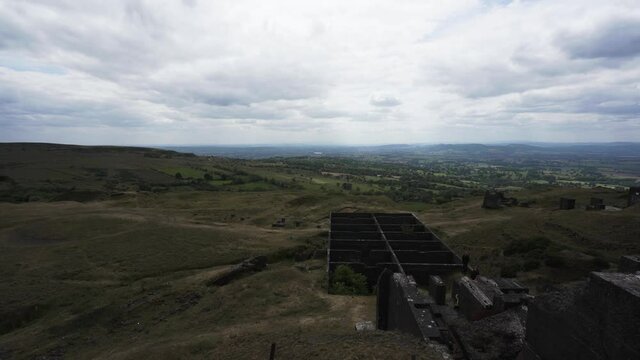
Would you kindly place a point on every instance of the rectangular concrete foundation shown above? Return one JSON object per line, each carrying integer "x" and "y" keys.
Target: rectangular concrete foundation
{"x": 372, "y": 242}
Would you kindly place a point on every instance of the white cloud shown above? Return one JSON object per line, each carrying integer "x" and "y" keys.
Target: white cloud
{"x": 250, "y": 71}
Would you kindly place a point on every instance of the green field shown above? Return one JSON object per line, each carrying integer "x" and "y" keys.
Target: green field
{"x": 105, "y": 254}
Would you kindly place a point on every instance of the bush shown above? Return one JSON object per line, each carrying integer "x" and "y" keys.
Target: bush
{"x": 510, "y": 270}
{"x": 345, "y": 281}
{"x": 178, "y": 176}
{"x": 523, "y": 246}
{"x": 531, "y": 264}
{"x": 555, "y": 262}
{"x": 297, "y": 253}
{"x": 600, "y": 263}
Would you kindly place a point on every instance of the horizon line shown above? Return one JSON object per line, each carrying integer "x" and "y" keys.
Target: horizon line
{"x": 502, "y": 143}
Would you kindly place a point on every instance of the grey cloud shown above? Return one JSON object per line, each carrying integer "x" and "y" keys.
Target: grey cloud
{"x": 384, "y": 100}
{"x": 242, "y": 83}
{"x": 189, "y": 3}
{"x": 618, "y": 38}
{"x": 619, "y": 101}
{"x": 238, "y": 67}
{"x": 324, "y": 113}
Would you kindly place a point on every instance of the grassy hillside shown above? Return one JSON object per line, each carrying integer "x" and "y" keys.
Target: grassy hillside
{"x": 106, "y": 253}
{"x": 540, "y": 244}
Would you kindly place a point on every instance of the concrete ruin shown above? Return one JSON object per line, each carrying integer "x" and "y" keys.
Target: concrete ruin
{"x": 634, "y": 195}
{"x": 499, "y": 336}
{"x": 629, "y": 264}
{"x": 567, "y": 204}
{"x": 495, "y": 200}
{"x": 397, "y": 254}
{"x": 481, "y": 297}
{"x": 492, "y": 200}
{"x": 596, "y": 204}
{"x": 588, "y": 320}
{"x": 372, "y": 242}
{"x": 280, "y": 223}
{"x": 485, "y": 318}
{"x": 400, "y": 306}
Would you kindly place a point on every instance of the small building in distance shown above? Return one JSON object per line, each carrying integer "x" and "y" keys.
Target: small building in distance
{"x": 634, "y": 195}
{"x": 494, "y": 199}
{"x": 279, "y": 223}
{"x": 596, "y": 204}
{"x": 567, "y": 204}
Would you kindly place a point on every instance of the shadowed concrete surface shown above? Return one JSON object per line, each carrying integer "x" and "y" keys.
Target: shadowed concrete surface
{"x": 370, "y": 243}
{"x": 593, "y": 319}
{"x": 487, "y": 318}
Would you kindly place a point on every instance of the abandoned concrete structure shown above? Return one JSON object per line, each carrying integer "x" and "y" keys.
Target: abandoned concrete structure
{"x": 629, "y": 264}
{"x": 396, "y": 252}
{"x": 370, "y": 243}
{"x": 589, "y": 320}
{"x": 481, "y": 297}
{"x": 495, "y": 199}
{"x": 634, "y": 195}
{"x": 492, "y": 200}
{"x": 567, "y": 204}
{"x": 486, "y": 318}
{"x": 596, "y": 204}
{"x": 400, "y": 306}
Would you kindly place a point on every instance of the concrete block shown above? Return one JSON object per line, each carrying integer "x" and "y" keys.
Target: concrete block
{"x": 629, "y": 264}
{"x": 365, "y": 326}
{"x": 472, "y": 301}
{"x": 567, "y": 204}
{"x": 590, "y": 320}
{"x": 437, "y": 289}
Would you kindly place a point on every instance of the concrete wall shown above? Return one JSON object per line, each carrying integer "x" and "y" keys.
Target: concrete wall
{"x": 629, "y": 264}
{"x": 402, "y": 308}
{"x": 634, "y": 195}
{"x": 596, "y": 319}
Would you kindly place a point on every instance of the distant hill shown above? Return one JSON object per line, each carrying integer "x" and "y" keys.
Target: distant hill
{"x": 468, "y": 150}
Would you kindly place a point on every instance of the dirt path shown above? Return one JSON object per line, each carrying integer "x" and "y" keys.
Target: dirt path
{"x": 359, "y": 308}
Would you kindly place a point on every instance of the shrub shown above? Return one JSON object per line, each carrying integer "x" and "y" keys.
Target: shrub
{"x": 510, "y": 270}
{"x": 555, "y": 262}
{"x": 345, "y": 281}
{"x": 531, "y": 264}
{"x": 523, "y": 246}
{"x": 600, "y": 263}
{"x": 178, "y": 176}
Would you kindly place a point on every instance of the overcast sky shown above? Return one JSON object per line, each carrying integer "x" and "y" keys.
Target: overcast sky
{"x": 319, "y": 72}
